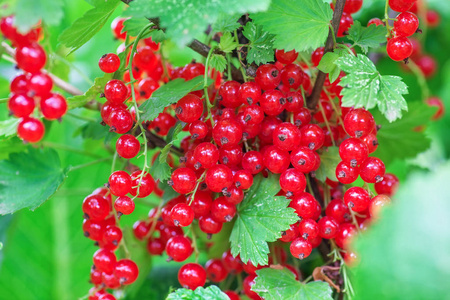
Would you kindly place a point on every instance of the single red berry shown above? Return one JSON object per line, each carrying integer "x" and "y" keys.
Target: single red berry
{"x": 124, "y": 205}
{"x": 105, "y": 261}
{"x": 40, "y": 84}
{"x": 267, "y": 76}
{"x": 328, "y": 227}
{"x": 228, "y": 94}
{"x": 107, "y": 108}
{"x": 106, "y": 296}
{"x": 120, "y": 183}
{"x": 201, "y": 204}
{"x": 182, "y": 215}
{"x": 359, "y": 123}
{"x": 302, "y": 117}
{"x": 222, "y": 210}
{"x": 20, "y": 105}
{"x": 110, "y": 281}
{"x": 218, "y": 178}
{"x": 253, "y": 161}
{"x": 338, "y": 210}
{"x": 112, "y": 235}
{"x": 249, "y": 281}
{"x": 304, "y": 205}
{"x": 372, "y": 170}
{"x": 352, "y": 6}
{"x": 399, "y": 48}
{"x": 300, "y": 248}
{"x": 146, "y": 87}
{"x": 116, "y": 91}
{"x": 215, "y": 270}
{"x": 168, "y": 232}
{"x": 400, "y": 5}
{"x": 54, "y": 106}
{"x": 227, "y": 133}
{"x": 303, "y": 159}
{"x": 286, "y": 57}
{"x": 294, "y": 102}
{"x": 96, "y": 276}
{"x": 233, "y": 264}
{"x": 96, "y": 207}
{"x": 127, "y": 271}
{"x": 209, "y": 225}
{"x": 198, "y": 129}
{"x": 234, "y": 195}
{"x": 141, "y": 229}
{"x": 253, "y": 114}
{"x": 312, "y": 136}
{"x": 345, "y": 233}
{"x": 276, "y": 160}
{"x": 406, "y": 24}
{"x": 290, "y": 234}
{"x": 375, "y": 21}
{"x": 345, "y": 173}
{"x": 388, "y": 185}
{"x": 344, "y": 25}
{"x": 427, "y": 64}
{"x": 191, "y": 276}
{"x": 109, "y": 63}
{"x": 292, "y": 76}
{"x": 163, "y": 123}
{"x": 179, "y": 248}
{"x": 231, "y": 156}
{"x": 249, "y": 93}
{"x": 357, "y": 199}
{"x": 31, "y": 57}
{"x": 292, "y": 181}
{"x": 377, "y": 204}
{"x": 371, "y": 142}
{"x": 183, "y": 180}
{"x": 145, "y": 184}
{"x": 128, "y": 146}
{"x": 272, "y": 102}
{"x": 117, "y": 26}
{"x": 189, "y": 108}
{"x": 317, "y": 55}
{"x": 268, "y": 125}
{"x": 433, "y": 18}
{"x": 308, "y": 229}
{"x": 20, "y": 84}
{"x": 243, "y": 179}
{"x": 286, "y": 136}
{"x": 206, "y": 155}
{"x": 120, "y": 121}
{"x": 353, "y": 151}
{"x": 155, "y": 246}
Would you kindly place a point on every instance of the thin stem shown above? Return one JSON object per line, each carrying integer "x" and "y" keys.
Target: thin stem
{"x": 89, "y": 163}
{"x": 205, "y": 86}
{"x": 229, "y": 66}
{"x": 196, "y": 187}
{"x": 4, "y": 100}
{"x": 386, "y": 19}
{"x": 326, "y": 123}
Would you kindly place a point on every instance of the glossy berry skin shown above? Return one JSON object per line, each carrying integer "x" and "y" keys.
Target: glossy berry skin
{"x": 372, "y": 170}
{"x": 267, "y": 76}
{"x": 303, "y": 159}
{"x": 231, "y": 156}
{"x": 253, "y": 161}
{"x": 189, "y": 108}
{"x": 317, "y": 55}
{"x": 302, "y": 117}
{"x": 105, "y": 261}
{"x": 292, "y": 76}
{"x": 120, "y": 121}
{"x": 108, "y": 108}
{"x": 117, "y": 26}
{"x": 294, "y": 101}
{"x": 227, "y": 133}
{"x": 109, "y": 63}
{"x": 184, "y": 180}
{"x": 155, "y": 246}
{"x": 248, "y": 282}
{"x": 388, "y": 186}
{"x": 53, "y": 106}
{"x": 357, "y": 199}
{"x": 21, "y": 105}
{"x": 353, "y": 151}
{"x": 124, "y": 205}
{"x": 338, "y": 210}
{"x": 249, "y": 93}
{"x": 290, "y": 234}
{"x": 206, "y": 155}
{"x": 40, "y": 84}
{"x": 127, "y": 271}
{"x": 359, "y": 123}
{"x": 345, "y": 173}
{"x": 116, "y": 91}
{"x": 191, "y": 276}
{"x": 286, "y": 57}
{"x": 328, "y": 227}
{"x": 31, "y": 130}
{"x": 312, "y": 136}
{"x": 300, "y": 248}
{"x": 146, "y": 87}
{"x": 198, "y": 129}
{"x": 228, "y": 94}
{"x": 272, "y": 102}
{"x": 308, "y": 229}
{"x": 371, "y": 142}
{"x": 286, "y": 136}
{"x": 96, "y": 207}
{"x": 352, "y": 6}
{"x": 201, "y": 204}
{"x": 222, "y": 210}
{"x": 345, "y": 233}
{"x": 209, "y": 225}
{"x": 276, "y": 160}
{"x": 147, "y": 184}
{"x": 179, "y": 248}
{"x": 400, "y": 5}
{"x": 120, "y": 183}
{"x": 427, "y": 64}
{"x": 344, "y": 25}
{"x": 253, "y": 114}
{"x": 218, "y": 178}
{"x": 399, "y": 48}
{"x": 377, "y": 204}
{"x": 31, "y": 57}
{"x": 182, "y": 215}
{"x": 292, "y": 181}
{"x": 141, "y": 229}
{"x": 20, "y": 84}
{"x": 406, "y": 24}
{"x": 215, "y": 270}
{"x": 375, "y": 21}
{"x": 112, "y": 235}
{"x": 304, "y": 205}
{"x": 127, "y": 146}
{"x": 243, "y": 179}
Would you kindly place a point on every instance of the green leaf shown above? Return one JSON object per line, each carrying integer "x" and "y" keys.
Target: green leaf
{"x": 329, "y": 160}
{"x": 134, "y": 25}
{"x": 29, "y": 12}
{"x": 218, "y": 62}
{"x": 169, "y": 193}
{"x": 227, "y": 43}
{"x": 172, "y": 137}
{"x": 168, "y": 94}
{"x": 84, "y": 28}
{"x": 261, "y": 49}
{"x": 93, "y": 130}
{"x": 157, "y": 36}
{"x": 29, "y": 179}
{"x": 275, "y": 284}
{"x": 185, "y": 20}
{"x": 212, "y": 292}
{"x": 91, "y": 93}
{"x": 160, "y": 170}
{"x": 261, "y": 218}
{"x": 297, "y": 24}
{"x": 405, "y": 253}
{"x": 8, "y": 127}
{"x": 226, "y": 23}
{"x": 364, "y": 86}
{"x": 399, "y": 139}
{"x": 366, "y": 37}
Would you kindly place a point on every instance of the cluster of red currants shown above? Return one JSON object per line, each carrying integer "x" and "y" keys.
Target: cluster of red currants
{"x": 33, "y": 88}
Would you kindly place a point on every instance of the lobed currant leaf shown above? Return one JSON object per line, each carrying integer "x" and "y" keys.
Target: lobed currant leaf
{"x": 329, "y": 160}
{"x": 367, "y": 37}
{"x": 328, "y": 64}
{"x": 84, "y": 28}
{"x": 388, "y": 255}
{"x": 29, "y": 12}
{"x": 364, "y": 86}
{"x": 212, "y": 292}
{"x": 226, "y": 23}
{"x": 261, "y": 49}
{"x": 8, "y": 128}
{"x": 260, "y": 218}
{"x": 185, "y": 20}
{"x": 218, "y": 62}
{"x": 160, "y": 170}
{"x": 168, "y": 94}
{"x": 134, "y": 25}
{"x": 91, "y": 93}
{"x": 92, "y": 130}
{"x": 19, "y": 185}
{"x": 274, "y": 284}
{"x": 297, "y": 24}
{"x": 227, "y": 43}
{"x": 172, "y": 137}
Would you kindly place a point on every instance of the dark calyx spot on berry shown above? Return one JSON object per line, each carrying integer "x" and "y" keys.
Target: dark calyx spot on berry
{"x": 249, "y": 100}
{"x": 119, "y": 214}
{"x": 353, "y": 163}
{"x": 305, "y": 236}
{"x": 142, "y": 93}
{"x": 115, "y": 242}
{"x": 282, "y": 101}
{"x": 301, "y": 256}
{"x": 301, "y": 161}
{"x": 194, "y": 136}
{"x": 102, "y": 95}
{"x": 225, "y": 160}
{"x": 224, "y": 140}
{"x": 157, "y": 129}
{"x": 291, "y": 80}
{"x": 244, "y": 136}
{"x": 327, "y": 230}
{"x": 419, "y": 30}
{"x": 106, "y": 185}
{"x": 351, "y": 204}
{"x": 297, "y": 123}
{"x": 203, "y": 186}
{"x": 347, "y": 217}
{"x": 247, "y": 118}
{"x": 197, "y": 165}
{"x": 176, "y": 222}
{"x": 237, "y": 184}
{"x": 358, "y": 133}
{"x": 312, "y": 174}
{"x": 169, "y": 259}
{"x": 226, "y": 193}
{"x": 103, "y": 123}
{"x": 375, "y": 142}
{"x": 219, "y": 98}
{"x": 289, "y": 194}
{"x": 258, "y": 167}
{"x": 282, "y": 137}
{"x": 86, "y": 233}
{"x": 341, "y": 174}
{"x": 183, "y": 159}
{"x": 178, "y": 110}
{"x": 104, "y": 55}
{"x": 96, "y": 244}
{"x": 228, "y": 218}
{"x": 312, "y": 145}
{"x": 86, "y": 216}
{"x": 378, "y": 178}
{"x": 209, "y": 236}
{"x": 378, "y": 127}
{"x": 170, "y": 182}
{"x": 406, "y": 60}
{"x": 112, "y": 129}
{"x": 274, "y": 73}
{"x": 290, "y": 99}
{"x": 283, "y": 233}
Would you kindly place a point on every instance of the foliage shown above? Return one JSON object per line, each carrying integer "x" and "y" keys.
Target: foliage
{"x": 212, "y": 292}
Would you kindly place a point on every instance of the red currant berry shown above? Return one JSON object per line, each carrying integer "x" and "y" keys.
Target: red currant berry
{"x": 209, "y": 225}
{"x": 222, "y": 210}
{"x": 127, "y": 271}
{"x": 303, "y": 159}
{"x": 304, "y": 205}
{"x": 191, "y": 276}
{"x": 249, "y": 281}
{"x": 344, "y": 25}
{"x": 294, "y": 101}
{"x": 21, "y": 105}
{"x": 372, "y": 170}
{"x": 124, "y": 205}
{"x": 54, "y": 106}
{"x": 128, "y": 146}
{"x": 253, "y": 114}
{"x": 272, "y": 102}
{"x": 328, "y": 227}
{"x": 183, "y": 180}
{"x": 31, "y": 57}
{"x": 109, "y": 63}
{"x": 198, "y": 130}
{"x": 399, "y": 48}
{"x": 286, "y": 136}
{"x": 201, "y": 204}
{"x": 338, "y": 210}
{"x": 427, "y": 65}
{"x": 268, "y": 125}
{"x": 215, "y": 270}
{"x": 120, "y": 121}
{"x": 189, "y": 108}
{"x": 40, "y": 84}
{"x": 231, "y": 156}
{"x": 253, "y": 161}
{"x": 105, "y": 260}
{"x": 353, "y": 151}
{"x": 432, "y": 18}
{"x": 96, "y": 207}
{"x": 317, "y": 55}
{"x": 312, "y": 136}
{"x": 117, "y": 27}
{"x": 308, "y": 229}
{"x": 300, "y": 248}
{"x": 406, "y": 24}
{"x": 371, "y": 142}
{"x": 20, "y": 84}
{"x": 388, "y": 185}
{"x": 292, "y": 181}
{"x": 155, "y": 246}
{"x": 345, "y": 233}
{"x": 142, "y": 185}
{"x": 302, "y": 117}
{"x": 375, "y": 21}
{"x": 116, "y": 91}
{"x": 290, "y": 234}
{"x": 345, "y": 173}
{"x": 107, "y": 108}
{"x": 292, "y": 76}
{"x": 359, "y": 122}
{"x": 243, "y": 179}
{"x": 146, "y": 87}
{"x": 112, "y": 235}
{"x": 275, "y": 159}
{"x": 218, "y": 178}
{"x": 249, "y": 93}
{"x": 377, "y": 204}
{"x": 286, "y": 57}
{"x": 228, "y": 94}
{"x": 267, "y": 76}
{"x": 179, "y": 248}
{"x": 120, "y": 183}
{"x": 182, "y": 215}
{"x": 206, "y": 155}
{"x": 352, "y": 6}
{"x": 400, "y": 5}
{"x": 227, "y": 133}
{"x": 357, "y": 199}
{"x": 234, "y": 195}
